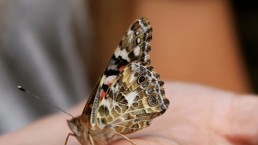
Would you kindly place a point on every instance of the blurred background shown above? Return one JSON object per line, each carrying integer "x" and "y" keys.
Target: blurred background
{"x": 59, "y": 48}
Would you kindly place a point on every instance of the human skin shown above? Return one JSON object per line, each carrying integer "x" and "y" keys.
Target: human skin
{"x": 197, "y": 115}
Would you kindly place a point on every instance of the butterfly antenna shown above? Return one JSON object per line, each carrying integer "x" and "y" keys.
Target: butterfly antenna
{"x": 42, "y": 100}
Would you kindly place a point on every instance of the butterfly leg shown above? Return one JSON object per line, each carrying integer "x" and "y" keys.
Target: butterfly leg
{"x": 125, "y": 137}
{"x": 66, "y": 140}
{"x": 91, "y": 140}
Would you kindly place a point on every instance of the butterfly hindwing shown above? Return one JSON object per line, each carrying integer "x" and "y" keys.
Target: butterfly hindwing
{"x": 133, "y": 100}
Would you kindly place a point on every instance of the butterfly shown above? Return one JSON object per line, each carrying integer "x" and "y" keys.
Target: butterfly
{"x": 127, "y": 96}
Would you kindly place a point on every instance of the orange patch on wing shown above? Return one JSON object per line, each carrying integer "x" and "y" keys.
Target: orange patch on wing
{"x": 102, "y": 94}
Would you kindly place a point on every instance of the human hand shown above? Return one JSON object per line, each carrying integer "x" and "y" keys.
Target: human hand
{"x": 197, "y": 116}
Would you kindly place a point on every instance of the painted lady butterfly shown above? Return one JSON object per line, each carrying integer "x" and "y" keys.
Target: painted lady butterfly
{"x": 128, "y": 95}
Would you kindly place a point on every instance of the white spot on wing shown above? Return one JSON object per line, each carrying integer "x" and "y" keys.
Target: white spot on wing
{"x": 134, "y": 66}
{"x": 109, "y": 79}
{"x": 143, "y": 27}
{"x": 116, "y": 88}
{"x": 107, "y": 104}
{"x": 123, "y": 53}
{"x": 136, "y": 51}
{"x": 131, "y": 79}
{"x": 117, "y": 51}
{"x": 130, "y": 97}
{"x": 138, "y": 40}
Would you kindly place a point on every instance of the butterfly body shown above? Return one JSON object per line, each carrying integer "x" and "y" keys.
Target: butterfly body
{"x": 128, "y": 95}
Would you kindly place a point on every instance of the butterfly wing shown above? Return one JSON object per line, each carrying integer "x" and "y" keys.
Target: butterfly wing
{"x": 133, "y": 100}
{"x": 134, "y": 46}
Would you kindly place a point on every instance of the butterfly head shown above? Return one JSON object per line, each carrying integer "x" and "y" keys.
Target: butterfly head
{"x": 77, "y": 126}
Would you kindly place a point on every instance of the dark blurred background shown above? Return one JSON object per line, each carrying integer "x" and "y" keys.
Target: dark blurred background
{"x": 246, "y": 18}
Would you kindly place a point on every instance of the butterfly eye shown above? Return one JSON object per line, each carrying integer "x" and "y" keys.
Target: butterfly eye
{"x": 152, "y": 101}
{"x": 141, "y": 79}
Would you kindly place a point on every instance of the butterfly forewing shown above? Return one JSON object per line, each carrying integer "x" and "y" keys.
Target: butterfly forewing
{"x": 134, "y": 46}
